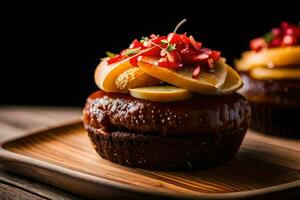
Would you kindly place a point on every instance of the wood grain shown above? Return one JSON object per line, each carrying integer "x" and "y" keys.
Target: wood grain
{"x": 17, "y": 121}
{"x": 262, "y": 162}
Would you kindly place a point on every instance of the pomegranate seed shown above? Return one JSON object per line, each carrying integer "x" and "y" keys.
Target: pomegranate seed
{"x": 276, "y": 42}
{"x": 196, "y": 72}
{"x": 276, "y": 31}
{"x": 258, "y": 44}
{"x": 289, "y": 40}
{"x": 289, "y": 31}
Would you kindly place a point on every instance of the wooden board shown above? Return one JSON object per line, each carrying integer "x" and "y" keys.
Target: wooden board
{"x": 64, "y": 157}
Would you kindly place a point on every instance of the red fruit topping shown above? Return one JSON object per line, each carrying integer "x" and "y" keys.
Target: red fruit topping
{"x": 134, "y": 60}
{"x": 289, "y": 40}
{"x": 196, "y": 72}
{"x": 153, "y": 52}
{"x": 276, "y": 31}
{"x": 286, "y": 35}
{"x": 157, "y": 40}
{"x": 168, "y": 64}
{"x": 258, "y": 44}
{"x": 115, "y": 59}
{"x": 200, "y": 57}
{"x": 172, "y": 51}
{"x": 135, "y": 44}
{"x": 276, "y": 42}
{"x": 215, "y": 55}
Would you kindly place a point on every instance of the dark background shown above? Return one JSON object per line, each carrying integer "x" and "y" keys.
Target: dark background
{"x": 53, "y": 47}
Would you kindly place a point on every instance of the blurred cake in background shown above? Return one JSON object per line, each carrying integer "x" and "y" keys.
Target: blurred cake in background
{"x": 271, "y": 76}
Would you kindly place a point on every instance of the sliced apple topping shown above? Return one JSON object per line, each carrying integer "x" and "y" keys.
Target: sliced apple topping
{"x": 135, "y": 77}
{"x": 270, "y": 58}
{"x": 204, "y": 83}
{"x": 232, "y": 83}
{"x": 262, "y": 73}
{"x": 110, "y": 69}
{"x": 161, "y": 93}
{"x": 176, "y": 59}
{"x": 106, "y": 74}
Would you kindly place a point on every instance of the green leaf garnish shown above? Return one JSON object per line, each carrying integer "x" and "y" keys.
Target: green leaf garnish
{"x": 110, "y": 54}
{"x": 129, "y": 52}
{"x": 171, "y": 47}
{"x": 268, "y": 37}
{"x": 164, "y": 42}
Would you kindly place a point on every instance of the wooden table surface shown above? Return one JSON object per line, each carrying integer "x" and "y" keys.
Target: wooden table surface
{"x": 16, "y": 121}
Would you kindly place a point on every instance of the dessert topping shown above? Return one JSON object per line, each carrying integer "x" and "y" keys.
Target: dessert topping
{"x": 286, "y": 35}
{"x": 173, "y": 51}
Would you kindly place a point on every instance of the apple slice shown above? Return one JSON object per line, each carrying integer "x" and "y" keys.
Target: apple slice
{"x": 135, "y": 77}
{"x": 207, "y": 82}
{"x": 161, "y": 93}
{"x": 262, "y": 73}
{"x": 232, "y": 83}
{"x": 274, "y": 57}
{"x": 106, "y": 75}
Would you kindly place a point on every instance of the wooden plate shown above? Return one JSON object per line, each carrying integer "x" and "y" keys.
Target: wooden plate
{"x": 265, "y": 167}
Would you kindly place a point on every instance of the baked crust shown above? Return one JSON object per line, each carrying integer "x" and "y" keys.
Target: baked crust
{"x": 200, "y": 115}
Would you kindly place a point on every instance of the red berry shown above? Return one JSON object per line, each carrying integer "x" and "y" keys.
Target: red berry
{"x": 276, "y": 42}
{"x": 276, "y": 32}
{"x": 289, "y": 40}
{"x": 258, "y": 44}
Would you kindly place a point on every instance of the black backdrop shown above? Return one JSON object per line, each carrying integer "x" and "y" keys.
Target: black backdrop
{"x": 54, "y": 46}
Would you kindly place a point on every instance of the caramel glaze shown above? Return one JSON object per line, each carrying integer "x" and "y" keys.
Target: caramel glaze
{"x": 110, "y": 112}
{"x": 275, "y": 92}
